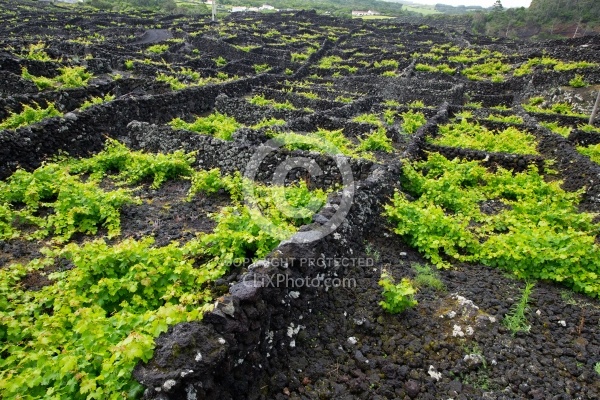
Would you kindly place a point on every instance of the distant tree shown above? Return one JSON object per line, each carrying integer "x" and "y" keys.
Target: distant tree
{"x": 498, "y": 6}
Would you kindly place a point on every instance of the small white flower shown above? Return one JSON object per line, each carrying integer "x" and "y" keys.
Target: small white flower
{"x": 198, "y": 357}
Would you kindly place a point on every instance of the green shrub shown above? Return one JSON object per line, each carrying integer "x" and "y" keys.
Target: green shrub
{"x": 564, "y": 131}
{"x": 539, "y": 233}
{"x": 444, "y": 68}
{"x": 158, "y": 48}
{"x": 386, "y": 64}
{"x": 371, "y": 119}
{"x": 412, "y": 121}
{"x": 70, "y": 77}
{"x": 474, "y": 136}
{"x": 268, "y": 122}
{"x": 216, "y": 124}
{"x": 220, "y": 61}
{"x": 397, "y": 297}
{"x": 258, "y": 68}
{"x": 261, "y": 101}
{"x": 135, "y": 166}
{"x": 129, "y": 64}
{"x": 173, "y": 81}
{"x": 96, "y": 100}
{"x": 36, "y": 52}
{"x": 593, "y": 152}
{"x": 324, "y": 141}
{"x": 376, "y": 141}
{"x": 577, "y": 82}
{"x": 492, "y": 68}
{"x": 507, "y": 119}
{"x": 29, "y": 115}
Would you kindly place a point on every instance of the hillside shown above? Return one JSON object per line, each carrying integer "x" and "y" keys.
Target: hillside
{"x": 292, "y": 206}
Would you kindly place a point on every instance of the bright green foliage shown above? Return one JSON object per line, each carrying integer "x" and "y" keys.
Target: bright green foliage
{"x": 173, "y": 81}
{"x": 129, "y": 64}
{"x": 258, "y": 68}
{"x": 216, "y": 124}
{"x": 309, "y": 95}
{"x": 597, "y": 368}
{"x": 537, "y": 233}
{"x": 589, "y": 128}
{"x": 261, "y": 101}
{"x": 134, "y": 166}
{"x": 69, "y": 78}
{"x": 412, "y": 121}
{"x": 389, "y": 116}
{"x": 330, "y": 62}
{"x": 40, "y": 81}
{"x": 78, "y": 206}
{"x": 426, "y": 276}
{"x": 372, "y": 119}
{"x": 397, "y": 297}
{"x": 556, "y": 128}
{"x": 593, "y": 152}
{"x": 37, "y": 52}
{"x": 475, "y": 105}
{"x": 73, "y": 77}
{"x": 474, "y": 136}
{"x": 469, "y": 56}
{"x": 389, "y": 74}
{"x": 391, "y": 103}
{"x": 493, "y": 69}
{"x": 535, "y": 105}
{"x": 515, "y": 320}
{"x": 376, "y": 141}
{"x": 104, "y": 315}
{"x": 220, "y": 61}
{"x": 577, "y": 82}
{"x": 386, "y": 64}
{"x": 96, "y": 100}
{"x": 247, "y": 49}
{"x": 158, "y": 48}
{"x": 29, "y": 115}
{"x": 264, "y": 123}
{"x": 416, "y": 104}
{"x": 550, "y": 63}
{"x": 343, "y": 99}
{"x": 435, "y": 68}
{"x": 209, "y": 182}
{"x": 106, "y": 312}
{"x": 299, "y": 57}
{"x": 324, "y": 141}
{"x": 507, "y": 119}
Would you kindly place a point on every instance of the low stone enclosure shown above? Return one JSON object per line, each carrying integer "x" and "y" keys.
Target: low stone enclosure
{"x": 311, "y": 73}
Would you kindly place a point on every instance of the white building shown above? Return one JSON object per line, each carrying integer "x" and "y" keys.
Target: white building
{"x": 364, "y": 13}
{"x": 238, "y": 9}
{"x": 266, "y": 7}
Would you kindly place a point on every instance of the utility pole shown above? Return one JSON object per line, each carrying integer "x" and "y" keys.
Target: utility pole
{"x": 595, "y": 110}
{"x": 214, "y": 10}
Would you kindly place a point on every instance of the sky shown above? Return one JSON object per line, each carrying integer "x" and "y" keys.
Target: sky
{"x": 483, "y": 3}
